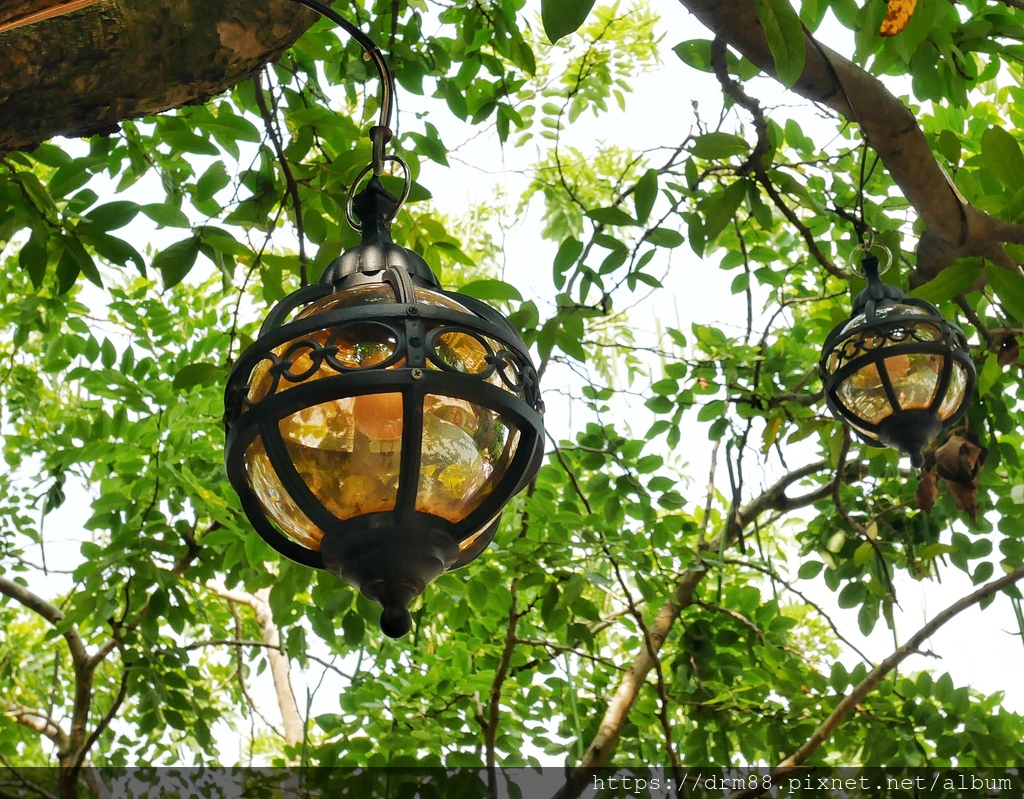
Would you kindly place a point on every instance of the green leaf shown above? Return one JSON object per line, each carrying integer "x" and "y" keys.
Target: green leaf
{"x": 196, "y": 374}
{"x": 611, "y": 216}
{"x": 165, "y": 215}
{"x": 949, "y": 145}
{"x": 569, "y": 251}
{"x": 32, "y": 257}
{"x": 108, "y": 355}
{"x": 863, "y": 554}
{"x": 491, "y": 290}
{"x": 785, "y": 35}
{"x": 431, "y": 146}
{"x": 660, "y": 405}
{"x": 951, "y": 282}
{"x": 810, "y": 569}
{"x": 116, "y": 251}
{"x": 353, "y": 628}
{"x": 562, "y": 17}
{"x": 1009, "y": 287}
{"x": 221, "y": 240}
{"x": 176, "y": 261}
{"x": 645, "y": 194}
{"x": 983, "y": 572}
{"x": 1001, "y": 156}
{"x": 83, "y": 262}
{"x": 213, "y": 180}
{"x": 663, "y": 237}
{"x": 695, "y": 53}
{"x": 718, "y": 145}
{"x": 812, "y": 12}
{"x": 112, "y": 216}
{"x": 713, "y": 410}
{"x": 720, "y": 208}
{"x": 852, "y": 595}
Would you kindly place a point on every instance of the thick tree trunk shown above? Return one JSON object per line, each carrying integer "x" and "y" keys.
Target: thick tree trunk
{"x": 82, "y": 72}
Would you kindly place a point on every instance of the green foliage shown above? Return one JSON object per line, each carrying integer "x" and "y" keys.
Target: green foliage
{"x": 139, "y": 265}
{"x": 562, "y": 18}
{"x": 785, "y": 34}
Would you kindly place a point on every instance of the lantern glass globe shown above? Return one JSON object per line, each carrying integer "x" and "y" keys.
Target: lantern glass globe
{"x": 348, "y": 450}
{"x": 915, "y": 377}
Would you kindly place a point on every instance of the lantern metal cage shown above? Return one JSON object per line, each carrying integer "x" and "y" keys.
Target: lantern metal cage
{"x": 379, "y": 424}
{"x": 897, "y": 371}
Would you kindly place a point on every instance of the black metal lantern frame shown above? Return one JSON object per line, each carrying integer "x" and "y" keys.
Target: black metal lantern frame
{"x": 382, "y": 297}
{"x": 889, "y": 333}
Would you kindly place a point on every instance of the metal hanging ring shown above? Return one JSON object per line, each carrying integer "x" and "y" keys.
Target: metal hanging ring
{"x": 349, "y": 210}
{"x": 870, "y": 247}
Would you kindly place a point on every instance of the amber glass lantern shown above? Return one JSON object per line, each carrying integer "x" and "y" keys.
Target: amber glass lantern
{"x": 896, "y": 371}
{"x": 378, "y": 425}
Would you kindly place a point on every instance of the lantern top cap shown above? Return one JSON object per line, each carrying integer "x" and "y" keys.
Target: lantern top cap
{"x": 374, "y": 208}
{"x": 876, "y": 291}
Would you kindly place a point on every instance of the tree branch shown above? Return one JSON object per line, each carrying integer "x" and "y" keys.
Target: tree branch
{"x": 122, "y": 694}
{"x": 293, "y": 188}
{"x": 955, "y": 228}
{"x": 279, "y": 667}
{"x": 603, "y": 744}
{"x": 31, "y": 786}
{"x": 857, "y": 695}
{"x": 494, "y": 705}
{"x": 755, "y": 162}
{"x": 49, "y": 613}
{"x": 38, "y": 722}
{"x": 851, "y": 700}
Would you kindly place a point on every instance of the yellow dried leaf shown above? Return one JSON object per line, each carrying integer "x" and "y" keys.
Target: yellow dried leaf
{"x": 897, "y": 17}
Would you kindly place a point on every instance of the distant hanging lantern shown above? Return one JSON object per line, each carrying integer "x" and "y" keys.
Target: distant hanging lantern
{"x": 896, "y": 371}
{"x": 379, "y": 424}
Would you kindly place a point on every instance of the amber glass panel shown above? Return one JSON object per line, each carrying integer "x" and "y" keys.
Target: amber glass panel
{"x": 277, "y": 504}
{"x": 466, "y": 452}
{"x": 914, "y": 377}
{"x": 466, "y": 353}
{"x": 463, "y": 352}
{"x": 349, "y": 452}
{"x": 865, "y": 397}
{"x": 469, "y": 542}
{"x": 955, "y": 393}
{"x": 358, "y": 345}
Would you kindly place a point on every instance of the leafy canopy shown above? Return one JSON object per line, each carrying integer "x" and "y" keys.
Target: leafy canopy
{"x": 138, "y": 265}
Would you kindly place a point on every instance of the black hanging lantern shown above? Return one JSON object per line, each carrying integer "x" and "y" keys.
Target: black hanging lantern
{"x": 379, "y": 424}
{"x": 896, "y": 371}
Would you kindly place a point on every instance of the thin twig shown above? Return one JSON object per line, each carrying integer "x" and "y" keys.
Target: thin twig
{"x": 755, "y": 164}
{"x": 293, "y": 188}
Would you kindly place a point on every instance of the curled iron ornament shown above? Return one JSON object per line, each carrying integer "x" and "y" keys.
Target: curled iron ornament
{"x": 897, "y": 371}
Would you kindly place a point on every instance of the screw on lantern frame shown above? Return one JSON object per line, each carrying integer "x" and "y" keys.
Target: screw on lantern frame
{"x": 848, "y": 350}
{"x": 389, "y": 555}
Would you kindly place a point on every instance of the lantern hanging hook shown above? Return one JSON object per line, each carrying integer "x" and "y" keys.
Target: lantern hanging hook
{"x": 380, "y": 134}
